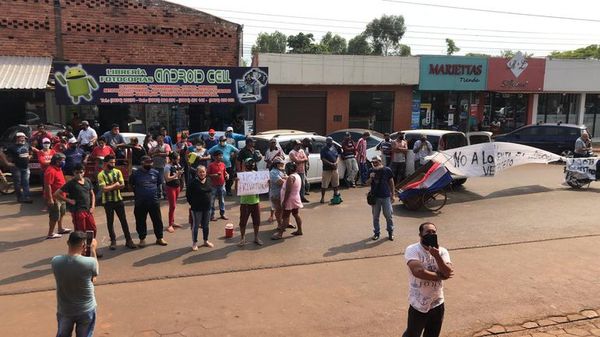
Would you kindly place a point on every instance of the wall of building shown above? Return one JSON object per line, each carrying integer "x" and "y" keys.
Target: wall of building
{"x": 130, "y": 32}
{"x": 572, "y": 76}
{"x": 338, "y": 101}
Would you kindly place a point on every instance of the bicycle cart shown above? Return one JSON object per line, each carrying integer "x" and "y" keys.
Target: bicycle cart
{"x": 426, "y": 188}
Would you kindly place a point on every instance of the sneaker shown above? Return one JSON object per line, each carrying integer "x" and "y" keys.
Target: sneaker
{"x": 130, "y": 245}
{"x": 65, "y": 231}
{"x": 113, "y": 245}
{"x": 142, "y": 243}
{"x": 53, "y": 236}
{"x": 194, "y": 247}
{"x": 258, "y": 241}
{"x": 390, "y": 237}
{"x": 304, "y": 200}
{"x": 224, "y": 217}
{"x": 161, "y": 242}
{"x": 208, "y": 244}
{"x": 375, "y": 237}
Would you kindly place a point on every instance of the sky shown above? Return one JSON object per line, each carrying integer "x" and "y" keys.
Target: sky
{"x": 427, "y": 22}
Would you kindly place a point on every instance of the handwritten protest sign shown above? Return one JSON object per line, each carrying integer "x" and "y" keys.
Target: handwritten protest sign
{"x": 584, "y": 166}
{"x": 255, "y": 182}
{"x": 489, "y": 159}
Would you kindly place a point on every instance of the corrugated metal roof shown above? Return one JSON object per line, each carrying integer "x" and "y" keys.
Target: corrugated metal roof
{"x": 20, "y": 72}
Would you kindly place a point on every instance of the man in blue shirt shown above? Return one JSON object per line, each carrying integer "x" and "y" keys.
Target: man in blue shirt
{"x": 73, "y": 155}
{"x": 19, "y": 155}
{"x": 329, "y": 156}
{"x": 229, "y": 153}
{"x": 145, "y": 183}
{"x": 166, "y": 137}
{"x": 75, "y": 276}
{"x": 381, "y": 179}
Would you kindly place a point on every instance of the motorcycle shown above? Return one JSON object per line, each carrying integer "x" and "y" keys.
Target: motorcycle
{"x": 582, "y": 171}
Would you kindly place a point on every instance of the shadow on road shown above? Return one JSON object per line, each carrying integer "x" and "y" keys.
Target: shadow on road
{"x": 354, "y": 246}
{"x": 6, "y": 246}
{"x": 30, "y": 275}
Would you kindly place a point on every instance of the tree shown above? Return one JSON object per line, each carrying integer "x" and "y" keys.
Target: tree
{"x": 270, "y": 43}
{"x": 404, "y": 50}
{"x": 359, "y": 45}
{"x": 303, "y": 44}
{"x": 477, "y": 54}
{"x": 333, "y": 44}
{"x": 590, "y": 52}
{"x": 508, "y": 53}
{"x": 385, "y": 34}
{"x": 451, "y": 47}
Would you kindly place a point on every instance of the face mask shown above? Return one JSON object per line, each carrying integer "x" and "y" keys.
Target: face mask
{"x": 430, "y": 240}
{"x": 62, "y": 164}
{"x": 46, "y": 146}
{"x": 147, "y": 167}
{"x": 21, "y": 142}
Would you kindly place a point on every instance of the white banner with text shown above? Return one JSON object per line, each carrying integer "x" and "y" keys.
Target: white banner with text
{"x": 255, "y": 182}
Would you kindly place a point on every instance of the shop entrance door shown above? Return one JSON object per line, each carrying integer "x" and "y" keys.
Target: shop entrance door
{"x": 305, "y": 111}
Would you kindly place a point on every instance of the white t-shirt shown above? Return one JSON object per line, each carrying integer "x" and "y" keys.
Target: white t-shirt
{"x": 85, "y": 136}
{"x": 424, "y": 295}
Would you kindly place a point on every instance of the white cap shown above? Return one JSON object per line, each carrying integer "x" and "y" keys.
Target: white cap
{"x": 229, "y": 128}
{"x": 20, "y": 134}
{"x": 72, "y": 140}
{"x": 46, "y": 140}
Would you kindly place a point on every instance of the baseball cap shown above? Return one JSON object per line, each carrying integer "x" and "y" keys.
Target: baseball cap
{"x": 229, "y": 128}
{"x": 211, "y": 131}
{"x": 46, "y": 140}
{"x": 277, "y": 160}
{"x": 20, "y": 134}
{"x": 72, "y": 140}
{"x": 297, "y": 141}
{"x": 222, "y": 138}
{"x": 85, "y": 123}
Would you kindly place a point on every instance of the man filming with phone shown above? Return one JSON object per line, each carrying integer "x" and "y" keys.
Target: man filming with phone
{"x": 75, "y": 275}
{"x": 429, "y": 266}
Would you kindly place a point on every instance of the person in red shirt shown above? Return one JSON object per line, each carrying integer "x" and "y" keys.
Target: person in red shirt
{"x": 38, "y": 136}
{"x": 101, "y": 151}
{"x": 44, "y": 156}
{"x": 218, "y": 175}
{"x": 60, "y": 145}
{"x": 53, "y": 181}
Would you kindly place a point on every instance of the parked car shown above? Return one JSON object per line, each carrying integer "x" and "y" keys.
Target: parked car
{"x": 204, "y": 134}
{"x": 556, "y": 138}
{"x": 442, "y": 140}
{"x": 261, "y": 143}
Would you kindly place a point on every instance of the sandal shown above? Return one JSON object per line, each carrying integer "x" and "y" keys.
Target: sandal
{"x": 170, "y": 229}
{"x": 53, "y": 236}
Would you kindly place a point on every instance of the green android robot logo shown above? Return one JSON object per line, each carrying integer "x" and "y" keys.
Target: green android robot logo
{"x": 78, "y": 83}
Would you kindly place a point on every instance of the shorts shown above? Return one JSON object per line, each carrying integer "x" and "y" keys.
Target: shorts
{"x": 57, "y": 210}
{"x": 84, "y": 221}
{"x": 288, "y": 212}
{"x": 275, "y": 204}
{"x": 330, "y": 177}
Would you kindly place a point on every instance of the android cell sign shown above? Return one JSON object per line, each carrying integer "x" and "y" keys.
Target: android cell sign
{"x": 77, "y": 82}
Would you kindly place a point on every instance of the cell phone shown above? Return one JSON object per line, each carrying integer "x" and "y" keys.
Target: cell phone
{"x": 431, "y": 241}
{"x": 89, "y": 237}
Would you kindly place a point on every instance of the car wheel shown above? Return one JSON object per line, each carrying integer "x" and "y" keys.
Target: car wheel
{"x": 458, "y": 182}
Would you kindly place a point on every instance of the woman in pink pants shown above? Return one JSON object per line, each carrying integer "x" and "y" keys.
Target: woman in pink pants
{"x": 173, "y": 174}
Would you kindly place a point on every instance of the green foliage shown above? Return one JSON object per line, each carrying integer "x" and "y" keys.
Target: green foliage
{"x": 507, "y": 53}
{"x": 359, "y": 45}
{"x": 590, "y": 52}
{"x": 333, "y": 44}
{"x": 303, "y": 44}
{"x": 477, "y": 54}
{"x": 385, "y": 34}
{"x": 403, "y": 50}
{"x": 270, "y": 43}
{"x": 451, "y": 47}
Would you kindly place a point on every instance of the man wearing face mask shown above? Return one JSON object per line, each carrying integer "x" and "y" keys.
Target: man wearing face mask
{"x": 18, "y": 154}
{"x": 429, "y": 266}
{"x": 53, "y": 181}
{"x": 73, "y": 155}
{"x": 111, "y": 182}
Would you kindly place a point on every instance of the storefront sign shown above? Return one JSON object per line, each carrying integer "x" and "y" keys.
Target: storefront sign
{"x": 416, "y": 114}
{"x": 81, "y": 84}
{"x": 489, "y": 159}
{"x": 517, "y": 74}
{"x": 458, "y": 73}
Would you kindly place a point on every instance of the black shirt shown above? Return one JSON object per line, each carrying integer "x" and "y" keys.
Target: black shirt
{"x": 136, "y": 155}
{"x": 198, "y": 194}
{"x": 19, "y": 155}
{"x": 80, "y": 193}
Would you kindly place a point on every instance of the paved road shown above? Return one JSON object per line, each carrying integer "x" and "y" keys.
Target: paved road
{"x": 513, "y": 238}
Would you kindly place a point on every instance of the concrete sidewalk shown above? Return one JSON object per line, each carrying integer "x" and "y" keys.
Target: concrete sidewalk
{"x": 506, "y": 285}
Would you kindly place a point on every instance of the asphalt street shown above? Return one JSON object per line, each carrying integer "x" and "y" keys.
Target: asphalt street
{"x": 515, "y": 239}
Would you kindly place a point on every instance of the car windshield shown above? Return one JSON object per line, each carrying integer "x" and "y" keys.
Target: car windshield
{"x": 452, "y": 141}
{"x": 478, "y": 139}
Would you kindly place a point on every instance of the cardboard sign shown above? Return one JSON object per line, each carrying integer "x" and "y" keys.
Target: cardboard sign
{"x": 255, "y": 182}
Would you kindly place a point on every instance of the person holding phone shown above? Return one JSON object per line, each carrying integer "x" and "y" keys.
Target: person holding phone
{"x": 429, "y": 266}
{"x": 75, "y": 276}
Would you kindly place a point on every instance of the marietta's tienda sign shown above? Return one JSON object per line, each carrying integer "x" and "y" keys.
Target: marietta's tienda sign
{"x": 129, "y": 84}
{"x": 452, "y": 73}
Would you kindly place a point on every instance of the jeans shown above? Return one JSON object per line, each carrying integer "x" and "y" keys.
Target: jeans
{"x": 200, "y": 218}
{"x": 229, "y": 182}
{"x": 384, "y": 204}
{"x": 399, "y": 171}
{"x": 303, "y": 180}
{"x": 431, "y": 322}
{"x": 21, "y": 181}
{"x": 351, "y": 170}
{"x": 364, "y": 172}
{"x": 84, "y": 324}
{"x": 141, "y": 211}
{"x": 110, "y": 208}
{"x": 217, "y": 192}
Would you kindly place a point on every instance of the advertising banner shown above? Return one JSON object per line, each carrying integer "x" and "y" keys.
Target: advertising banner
{"x": 457, "y": 73}
{"x": 489, "y": 159}
{"x": 517, "y": 74}
{"x": 80, "y": 84}
{"x": 255, "y": 182}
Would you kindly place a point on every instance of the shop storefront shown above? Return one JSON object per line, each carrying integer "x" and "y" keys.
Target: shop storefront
{"x": 511, "y": 84}
{"x": 450, "y": 92}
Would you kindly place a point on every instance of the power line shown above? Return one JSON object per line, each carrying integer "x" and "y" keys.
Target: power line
{"x": 492, "y": 11}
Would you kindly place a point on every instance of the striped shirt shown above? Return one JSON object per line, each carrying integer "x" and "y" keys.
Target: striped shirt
{"x": 107, "y": 179}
